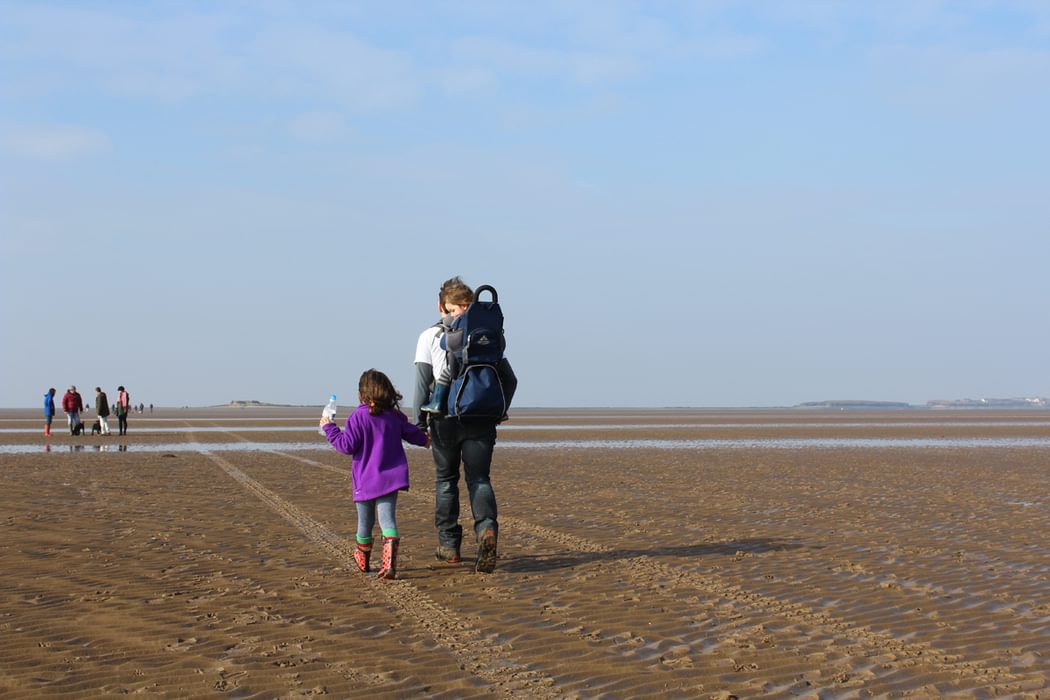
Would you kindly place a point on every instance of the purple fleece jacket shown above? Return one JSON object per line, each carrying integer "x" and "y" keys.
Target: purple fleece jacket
{"x": 378, "y": 462}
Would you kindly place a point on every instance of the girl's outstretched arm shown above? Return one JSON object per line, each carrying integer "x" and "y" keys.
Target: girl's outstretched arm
{"x": 346, "y": 440}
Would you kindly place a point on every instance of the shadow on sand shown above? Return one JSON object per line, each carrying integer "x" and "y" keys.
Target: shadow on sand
{"x": 536, "y": 563}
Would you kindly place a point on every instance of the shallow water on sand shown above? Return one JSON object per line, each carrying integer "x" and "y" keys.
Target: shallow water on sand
{"x": 712, "y": 444}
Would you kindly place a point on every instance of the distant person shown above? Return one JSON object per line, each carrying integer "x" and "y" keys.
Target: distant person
{"x": 72, "y": 405}
{"x": 123, "y": 405}
{"x": 379, "y": 467}
{"x": 151, "y": 409}
{"x": 102, "y": 409}
{"x": 469, "y": 443}
{"x": 49, "y": 410}
{"x": 142, "y": 408}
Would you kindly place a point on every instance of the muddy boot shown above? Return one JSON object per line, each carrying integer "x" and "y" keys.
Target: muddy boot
{"x": 486, "y": 561}
{"x": 388, "y": 569}
{"x": 438, "y": 399}
{"x": 447, "y": 554}
{"x": 362, "y": 556}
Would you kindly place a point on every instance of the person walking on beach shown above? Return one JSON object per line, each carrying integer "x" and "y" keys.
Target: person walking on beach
{"x": 469, "y": 443}
{"x": 72, "y": 405}
{"x": 102, "y": 409}
{"x": 379, "y": 467}
{"x": 123, "y": 405}
{"x": 49, "y": 410}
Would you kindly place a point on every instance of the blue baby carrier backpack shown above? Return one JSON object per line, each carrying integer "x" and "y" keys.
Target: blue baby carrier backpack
{"x": 474, "y": 344}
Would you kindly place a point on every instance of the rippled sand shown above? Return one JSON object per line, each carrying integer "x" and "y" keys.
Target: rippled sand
{"x": 750, "y": 570}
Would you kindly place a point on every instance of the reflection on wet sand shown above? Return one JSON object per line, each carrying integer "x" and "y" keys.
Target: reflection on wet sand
{"x": 76, "y": 448}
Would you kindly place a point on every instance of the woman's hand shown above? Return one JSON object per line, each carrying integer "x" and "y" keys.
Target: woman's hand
{"x": 324, "y": 421}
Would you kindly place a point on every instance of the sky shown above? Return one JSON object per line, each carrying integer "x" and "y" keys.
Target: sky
{"x": 706, "y": 203}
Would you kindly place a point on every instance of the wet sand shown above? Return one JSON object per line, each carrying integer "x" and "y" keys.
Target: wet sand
{"x": 752, "y": 569}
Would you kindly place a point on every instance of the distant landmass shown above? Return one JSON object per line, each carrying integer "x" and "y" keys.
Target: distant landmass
{"x": 1036, "y": 402}
{"x": 854, "y": 404}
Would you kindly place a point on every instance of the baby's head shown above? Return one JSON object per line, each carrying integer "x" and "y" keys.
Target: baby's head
{"x": 455, "y": 296}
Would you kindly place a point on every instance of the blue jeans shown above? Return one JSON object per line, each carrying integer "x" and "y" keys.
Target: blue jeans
{"x": 471, "y": 444}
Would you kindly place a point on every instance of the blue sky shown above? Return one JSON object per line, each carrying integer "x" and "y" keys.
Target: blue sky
{"x": 681, "y": 204}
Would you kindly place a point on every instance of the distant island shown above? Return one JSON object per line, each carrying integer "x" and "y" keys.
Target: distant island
{"x": 854, "y": 404}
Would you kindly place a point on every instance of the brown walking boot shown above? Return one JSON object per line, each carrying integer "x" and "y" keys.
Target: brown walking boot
{"x": 486, "y": 561}
{"x": 447, "y": 554}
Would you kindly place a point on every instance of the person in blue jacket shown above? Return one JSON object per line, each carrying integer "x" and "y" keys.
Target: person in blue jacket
{"x": 49, "y": 410}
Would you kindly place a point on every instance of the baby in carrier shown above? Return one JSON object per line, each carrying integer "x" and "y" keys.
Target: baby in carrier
{"x": 474, "y": 344}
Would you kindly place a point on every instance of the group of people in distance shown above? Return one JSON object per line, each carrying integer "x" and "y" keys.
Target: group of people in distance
{"x": 73, "y": 405}
{"x": 373, "y": 436}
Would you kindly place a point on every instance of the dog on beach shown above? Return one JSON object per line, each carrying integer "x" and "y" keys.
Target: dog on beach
{"x": 96, "y": 428}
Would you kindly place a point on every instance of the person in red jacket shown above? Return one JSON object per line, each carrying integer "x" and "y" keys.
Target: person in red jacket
{"x": 72, "y": 404}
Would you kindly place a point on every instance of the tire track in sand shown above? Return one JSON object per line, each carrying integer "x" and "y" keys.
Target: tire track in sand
{"x": 647, "y": 573}
{"x": 477, "y": 654}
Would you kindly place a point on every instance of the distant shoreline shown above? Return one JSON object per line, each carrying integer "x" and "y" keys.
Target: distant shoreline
{"x": 1034, "y": 404}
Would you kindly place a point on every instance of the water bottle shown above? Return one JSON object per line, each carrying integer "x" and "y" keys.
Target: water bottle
{"x": 328, "y": 412}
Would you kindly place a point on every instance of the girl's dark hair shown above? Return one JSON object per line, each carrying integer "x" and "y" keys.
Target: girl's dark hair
{"x": 376, "y": 390}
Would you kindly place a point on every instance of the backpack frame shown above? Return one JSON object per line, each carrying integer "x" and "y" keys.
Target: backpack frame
{"x": 474, "y": 344}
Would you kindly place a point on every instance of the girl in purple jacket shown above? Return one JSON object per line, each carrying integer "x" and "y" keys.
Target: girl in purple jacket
{"x": 379, "y": 468}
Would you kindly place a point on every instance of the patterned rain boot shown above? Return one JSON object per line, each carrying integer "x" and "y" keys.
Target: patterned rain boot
{"x": 388, "y": 569}
{"x": 362, "y": 555}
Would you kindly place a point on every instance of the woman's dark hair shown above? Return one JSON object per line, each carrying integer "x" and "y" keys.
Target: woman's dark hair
{"x": 376, "y": 390}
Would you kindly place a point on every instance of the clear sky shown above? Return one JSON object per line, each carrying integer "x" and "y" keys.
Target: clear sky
{"x": 681, "y": 203}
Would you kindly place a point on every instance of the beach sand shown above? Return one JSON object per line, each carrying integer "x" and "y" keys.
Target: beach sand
{"x": 747, "y": 570}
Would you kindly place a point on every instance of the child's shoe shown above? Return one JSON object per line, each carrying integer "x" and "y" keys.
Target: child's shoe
{"x": 438, "y": 399}
{"x": 362, "y": 555}
{"x": 388, "y": 569}
{"x": 486, "y": 561}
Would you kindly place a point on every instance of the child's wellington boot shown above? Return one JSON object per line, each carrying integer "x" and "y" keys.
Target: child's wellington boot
{"x": 388, "y": 569}
{"x": 362, "y": 555}
{"x": 438, "y": 398}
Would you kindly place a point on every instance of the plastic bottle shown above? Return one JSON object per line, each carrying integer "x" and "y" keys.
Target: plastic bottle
{"x": 328, "y": 412}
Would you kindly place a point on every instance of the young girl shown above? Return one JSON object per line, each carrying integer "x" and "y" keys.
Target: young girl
{"x": 379, "y": 467}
